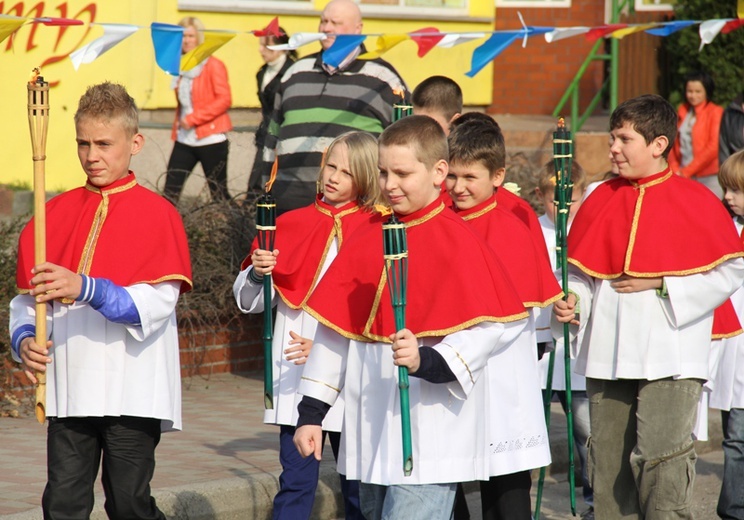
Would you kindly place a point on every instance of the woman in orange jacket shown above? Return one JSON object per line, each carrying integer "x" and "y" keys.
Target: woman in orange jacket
{"x": 201, "y": 123}
{"x": 695, "y": 151}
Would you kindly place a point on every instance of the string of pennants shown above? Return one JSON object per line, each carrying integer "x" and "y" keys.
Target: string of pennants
{"x": 167, "y": 38}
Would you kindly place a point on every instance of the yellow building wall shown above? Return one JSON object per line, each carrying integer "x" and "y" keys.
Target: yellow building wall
{"x": 132, "y": 63}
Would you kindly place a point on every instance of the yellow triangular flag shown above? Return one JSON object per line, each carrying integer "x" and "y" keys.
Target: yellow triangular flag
{"x": 621, "y": 33}
{"x": 213, "y": 40}
{"x": 9, "y": 25}
{"x": 384, "y": 44}
{"x": 740, "y": 9}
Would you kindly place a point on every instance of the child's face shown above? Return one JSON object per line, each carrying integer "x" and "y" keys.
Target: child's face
{"x": 338, "y": 182}
{"x": 105, "y": 149}
{"x": 735, "y": 200}
{"x": 550, "y": 208}
{"x": 407, "y": 182}
{"x": 633, "y": 157}
{"x": 471, "y": 184}
{"x": 436, "y": 116}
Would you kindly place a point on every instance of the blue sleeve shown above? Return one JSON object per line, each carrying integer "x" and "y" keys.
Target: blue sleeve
{"x": 22, "y": 332}
{"x": 111, "y": 300}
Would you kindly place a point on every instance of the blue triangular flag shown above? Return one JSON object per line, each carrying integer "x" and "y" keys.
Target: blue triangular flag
{"x": 494, "y": 46}
{"x": 167, "y": 39}
{"x": 341, "y": 48}
{"x": 671, "y": 27}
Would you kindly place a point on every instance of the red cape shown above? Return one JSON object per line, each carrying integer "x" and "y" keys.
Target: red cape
{"x": 303, "y": 237}
{"x": 123, "y": 232}
{"x": 454, "y": 281}
{"x": 524, "y": 212}
{"x": 662, "y": 225}
{"x": 513, "y": 244}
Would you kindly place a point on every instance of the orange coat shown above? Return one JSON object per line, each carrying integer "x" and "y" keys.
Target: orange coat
{"x": 211, "y": 98}
{"x": 704, "y": 141}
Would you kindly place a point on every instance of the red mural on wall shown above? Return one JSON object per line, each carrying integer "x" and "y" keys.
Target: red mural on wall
{"x": 62, "y": 47}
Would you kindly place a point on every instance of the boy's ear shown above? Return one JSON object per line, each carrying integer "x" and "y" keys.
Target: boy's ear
{"x": 441, "y": 169}
{"x": 452, "y": 119}
{"x": 497, "y": 179}
{"x": 659, "y": 144}
{"x": 138, "y": 141}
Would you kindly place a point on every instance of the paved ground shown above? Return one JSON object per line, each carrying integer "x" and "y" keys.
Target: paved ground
{"x": 224, "y": 465}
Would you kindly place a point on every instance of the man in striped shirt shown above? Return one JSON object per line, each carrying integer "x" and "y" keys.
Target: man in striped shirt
{"x": 317, "y": 102}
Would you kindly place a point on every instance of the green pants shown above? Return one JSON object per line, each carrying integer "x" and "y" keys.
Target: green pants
{"x": 641, "y": 453}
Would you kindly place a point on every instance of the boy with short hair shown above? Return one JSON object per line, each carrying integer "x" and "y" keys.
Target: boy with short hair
{"x": 647, "y": 298}
{"x": 440, "y": 98}
{"x": 460, "y": 311}
{"x": 518, "y": 437}
{"x": 117, "y": 260}
{"x": 545, "y": 191}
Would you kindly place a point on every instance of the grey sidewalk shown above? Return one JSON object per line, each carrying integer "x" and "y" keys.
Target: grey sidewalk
{"x": 225, "y": 464}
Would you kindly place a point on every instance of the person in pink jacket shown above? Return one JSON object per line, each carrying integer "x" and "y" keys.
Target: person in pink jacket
{"x": 201, "y": 123}
{"x": 695, "y": 152}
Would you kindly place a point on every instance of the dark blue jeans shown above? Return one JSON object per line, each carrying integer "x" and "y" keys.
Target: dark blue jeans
{"x": 299, "y": 480}
{"x": 731, "y": 501}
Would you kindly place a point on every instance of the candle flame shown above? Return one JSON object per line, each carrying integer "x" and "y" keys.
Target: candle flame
{"x": 561, "y": 123}
{"x": 399, "y": 92}
{"x": 35, "y": 72}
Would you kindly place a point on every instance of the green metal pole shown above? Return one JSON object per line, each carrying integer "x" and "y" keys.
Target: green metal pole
{"x": 547, "y": 397}
{"x": 614, "y": 57}
{"x": 266, "y": 230}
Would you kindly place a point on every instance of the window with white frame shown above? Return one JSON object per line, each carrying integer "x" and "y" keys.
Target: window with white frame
{"x": 533, "y": 3}
{"x": 654, "y": 5}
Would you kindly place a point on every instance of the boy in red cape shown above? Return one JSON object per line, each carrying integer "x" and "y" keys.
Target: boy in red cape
{"x": 461, "y": 309}
{"x": 117, "y": 260}
{"x": 477, "y": 164}
{"x": 646, "y": 275}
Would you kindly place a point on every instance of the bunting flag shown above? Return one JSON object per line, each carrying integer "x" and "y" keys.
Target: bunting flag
{"x": 595, "y": 33}
{"x": 487, "y": 52}
{"x": 384, "y": 43}
{"x": 9, "y": 25}
{"x": 426, "y": 39}
{"x": 341, "y": 48}
{"x": 740, "y": 9}
{"x": 297, "y": 40}
{"x": 709, "y": 29}
{"x": 270, "y": 30}
{"x": 533, "y": 31}
{"x": 452, "y": 39}
{"x": 167, "y": 40}
{"x": 622, "y": 33}
{"x": 732, "y": 26}
{"x": 671, "y": 27}
{"x": 57, "y": 22}
{"x": 113, "y": 33}
{"x": 213, "y": 40}
{"x": 562, "y": 34}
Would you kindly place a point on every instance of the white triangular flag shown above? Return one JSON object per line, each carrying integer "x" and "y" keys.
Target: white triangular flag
{"x": 297, "y": 40}
{"x": 113, "y": 33}
{"x": 562, "y": 34}
{"x": 709, "y": 29}
{"x": 452, "y": 39}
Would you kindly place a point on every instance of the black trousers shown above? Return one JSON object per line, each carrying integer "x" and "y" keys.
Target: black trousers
{"x": 75, "y": 447}
{"x": 183, "y": 159}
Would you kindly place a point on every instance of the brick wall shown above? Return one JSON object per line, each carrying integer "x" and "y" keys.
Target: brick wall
{"x": 532, "y": 80}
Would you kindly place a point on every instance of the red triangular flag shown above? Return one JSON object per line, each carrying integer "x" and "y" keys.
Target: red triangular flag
{"x": 58, "y": 22}
{"x": 732, "y": 25}
{"x": 596, "y": 33}
{"x": 427, "y": 41}
{"x": 270, "y": 30}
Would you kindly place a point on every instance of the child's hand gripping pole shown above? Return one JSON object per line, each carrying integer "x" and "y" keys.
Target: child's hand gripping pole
{"x": 38, "y": 123}
{"x": 266, "y": 230}
{"x": 396, "y": 267}
{"x": 562, "y": 158}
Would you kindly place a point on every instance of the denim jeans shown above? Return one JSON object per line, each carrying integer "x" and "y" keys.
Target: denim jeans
{"x": 731, "y": 501}
{"x": 409, "y": 502}
{"x": 641, "y": 454}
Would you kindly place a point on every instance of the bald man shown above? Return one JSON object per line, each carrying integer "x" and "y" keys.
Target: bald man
{"x": 317, "y": 102}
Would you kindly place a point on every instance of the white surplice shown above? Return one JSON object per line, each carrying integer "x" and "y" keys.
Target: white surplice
{"x": 449, "y": 422}
{"x": 101, "y": 368}
{"x": 286, "y": 375}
